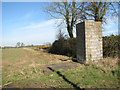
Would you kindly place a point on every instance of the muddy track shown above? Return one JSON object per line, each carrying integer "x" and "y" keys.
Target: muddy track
{"x": 60, "y": 66}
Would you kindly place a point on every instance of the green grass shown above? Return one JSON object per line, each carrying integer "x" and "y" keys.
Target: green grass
{"x": 92, "y": 77}
{"x": 22, "y": 68}
{"x": 32, "y": 47}
{"x": 12, "y": 54}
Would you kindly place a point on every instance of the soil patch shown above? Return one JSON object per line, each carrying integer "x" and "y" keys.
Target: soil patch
{"x": 59, "y": 66}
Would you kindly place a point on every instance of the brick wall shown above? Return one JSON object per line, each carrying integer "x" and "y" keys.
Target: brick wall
{"x": 89, "y": 41}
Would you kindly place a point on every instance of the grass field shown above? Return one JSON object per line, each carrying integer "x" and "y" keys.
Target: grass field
{"x": 26, "y": 68}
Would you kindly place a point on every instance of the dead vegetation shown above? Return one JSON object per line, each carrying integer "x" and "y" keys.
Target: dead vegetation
{"x": 106, "y": 62}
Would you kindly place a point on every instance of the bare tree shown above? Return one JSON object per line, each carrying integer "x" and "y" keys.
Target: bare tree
{"x": 18, "y": 44}
{"x": 60, "y": 35}
{"x": 98, "y": 10}
{"x": 70, "y": 12}
{"x": 73, "y": 12}
{"x": 22, "y": 44}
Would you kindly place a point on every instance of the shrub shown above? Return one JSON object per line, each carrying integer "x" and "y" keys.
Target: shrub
{"x": 68, "y": 46}
{"x": 110, "y": 46}
{"x": 42, "y": 47}
{"x": 64, "y": 47}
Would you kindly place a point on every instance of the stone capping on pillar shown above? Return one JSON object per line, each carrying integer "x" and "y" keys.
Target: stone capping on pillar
{"x": 89, "y": 41}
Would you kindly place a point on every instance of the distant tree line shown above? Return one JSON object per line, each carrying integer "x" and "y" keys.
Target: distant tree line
{"x": 20, "y": 44}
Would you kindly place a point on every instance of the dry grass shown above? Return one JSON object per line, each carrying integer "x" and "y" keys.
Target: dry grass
{"x": 22, "y": 68}
{"x": 16, "y": 61}
{"x": 107, "y": 63}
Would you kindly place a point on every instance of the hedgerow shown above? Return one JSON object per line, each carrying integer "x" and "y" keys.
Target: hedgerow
{"x": 68, "y": 46}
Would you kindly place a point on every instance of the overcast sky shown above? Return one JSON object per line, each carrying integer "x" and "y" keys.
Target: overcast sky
{"x": 26, "y": 22}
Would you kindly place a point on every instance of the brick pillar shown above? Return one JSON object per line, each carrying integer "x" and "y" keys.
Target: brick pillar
{"x": 89, "y": 41}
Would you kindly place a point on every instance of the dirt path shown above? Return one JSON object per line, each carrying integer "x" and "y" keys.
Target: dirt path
{"x": 30, "y": 50}
{"x": 62, "y": 65}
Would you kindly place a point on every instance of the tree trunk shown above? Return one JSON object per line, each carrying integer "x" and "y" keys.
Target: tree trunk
{"x": 70, "y": 31}
{"x": 96, "y": 19}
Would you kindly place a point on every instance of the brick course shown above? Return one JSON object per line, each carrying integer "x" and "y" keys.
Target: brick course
{"x": 89, "y": 41}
